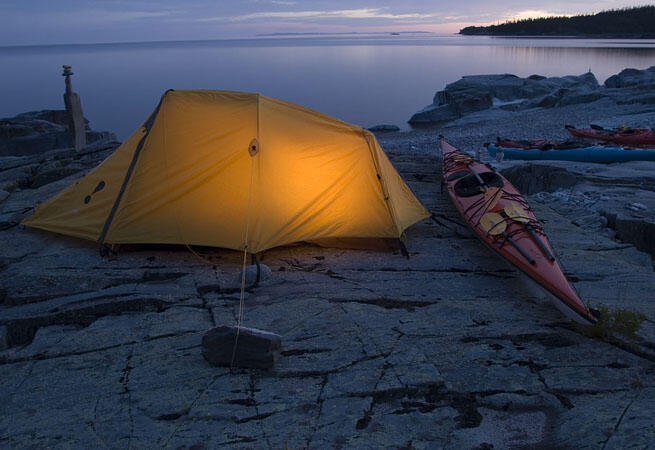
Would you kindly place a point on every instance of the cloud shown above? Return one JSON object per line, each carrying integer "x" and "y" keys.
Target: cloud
{"x": 534, "y": 14}
{"x": 277, "y": 2}
{"x": 50, "y": 21}
{"x": 135, "y": 15}
{"x": 283, "y": 3}
{"x": 363, "y": 13}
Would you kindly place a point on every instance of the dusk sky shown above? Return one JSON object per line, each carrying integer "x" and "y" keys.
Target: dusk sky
{"x": 78, "y": 21}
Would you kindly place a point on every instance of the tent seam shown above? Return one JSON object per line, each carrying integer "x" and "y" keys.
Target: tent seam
{"x": 130, "y": 170}
{"x": 381, "y": 180}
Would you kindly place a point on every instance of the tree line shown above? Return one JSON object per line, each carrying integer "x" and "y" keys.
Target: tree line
{"x": 636, "y": 22}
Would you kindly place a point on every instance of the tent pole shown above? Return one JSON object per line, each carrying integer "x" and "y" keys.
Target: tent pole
{"x": 147, "y": 126}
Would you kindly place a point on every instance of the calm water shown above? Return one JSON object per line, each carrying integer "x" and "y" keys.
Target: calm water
{"x": 361, "y": 79}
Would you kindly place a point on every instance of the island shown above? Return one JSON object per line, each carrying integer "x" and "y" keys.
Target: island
{"x": 638, "y": 22}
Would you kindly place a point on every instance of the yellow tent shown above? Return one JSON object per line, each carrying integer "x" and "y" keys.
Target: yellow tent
{"x": 230, "y": 169}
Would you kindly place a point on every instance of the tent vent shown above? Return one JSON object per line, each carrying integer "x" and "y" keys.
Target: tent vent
{"x": 253, "y": 147}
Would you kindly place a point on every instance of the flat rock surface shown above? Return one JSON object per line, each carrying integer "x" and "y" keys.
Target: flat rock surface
{"x": 447, "y": 349}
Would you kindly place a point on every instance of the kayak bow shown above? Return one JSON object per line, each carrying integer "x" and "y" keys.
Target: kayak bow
{"x": 635, "y": 137}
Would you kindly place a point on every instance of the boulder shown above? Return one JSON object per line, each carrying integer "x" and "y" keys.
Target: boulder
{"x": 36, "y": 132}
{"x": 471, "y": 100}
{"x": 255, "y": 349}
{"x": 565, "y": 96}
{"x": 547, "y": 101}
{"x": 505, "y": 87}
{"x": 480, "y": 92}
{"x": 384, "y": 128}
{"x": 464, "y": 96}
{"x": 586, "y": 80}
{"x": 251, "y": 274}
{"x": 642, "y": 94}
{"x": 631, "y": 77}
{"x": 575, "y": 97}
{"x": 434, "y": 114}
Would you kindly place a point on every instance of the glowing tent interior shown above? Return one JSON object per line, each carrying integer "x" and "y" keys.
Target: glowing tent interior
{"x": 232, "y": 169}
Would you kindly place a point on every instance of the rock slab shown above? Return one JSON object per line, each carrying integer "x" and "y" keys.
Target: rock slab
{"x": 479, "y": 92}
{"x": 631, "y": 77}
{"x": 509, "y": 92}
{"x": 36, "y": 132}
{"x": 255, "y": 349}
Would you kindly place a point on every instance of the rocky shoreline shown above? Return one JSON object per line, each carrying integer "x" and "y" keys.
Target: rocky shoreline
{"x": 446, "y": 349}
{"x": 508, "y": 92}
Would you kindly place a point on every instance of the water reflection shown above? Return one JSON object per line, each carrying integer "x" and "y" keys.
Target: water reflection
{"x": 361, "y": 79}
{"x": 557, "y": 61}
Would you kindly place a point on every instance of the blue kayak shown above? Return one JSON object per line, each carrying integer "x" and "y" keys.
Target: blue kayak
{"x": 594, "y": 154}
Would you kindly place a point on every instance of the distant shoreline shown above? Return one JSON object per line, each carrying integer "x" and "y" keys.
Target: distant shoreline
{"x": 348, "y": 33}
{"x": 559, "y": 36}
{"x": 625, "y": 23}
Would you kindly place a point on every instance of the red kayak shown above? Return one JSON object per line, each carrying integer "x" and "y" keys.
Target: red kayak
{"x": 502, "y": 219}
{"x": 633, "y": 137}
{"x": 539, "y": 144}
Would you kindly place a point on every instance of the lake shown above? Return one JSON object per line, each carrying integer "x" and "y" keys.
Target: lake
{"x": 363, "y": 79}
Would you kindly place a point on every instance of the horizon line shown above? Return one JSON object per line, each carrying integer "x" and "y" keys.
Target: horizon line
{"x": 244, "y": 38}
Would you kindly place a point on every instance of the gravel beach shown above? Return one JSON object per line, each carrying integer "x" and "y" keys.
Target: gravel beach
{"x": 471, "y": 132}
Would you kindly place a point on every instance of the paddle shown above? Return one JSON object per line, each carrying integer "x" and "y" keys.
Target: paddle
{"x": 494, "y": 224}
{"x": 515, "y": 212}
{"x": 491, "y": 197}
{"x": 479, "y": 178}
{"x": 466, "y": 159}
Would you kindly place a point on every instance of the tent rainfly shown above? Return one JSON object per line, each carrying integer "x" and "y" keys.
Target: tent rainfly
{"x": 236, "y": 170}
